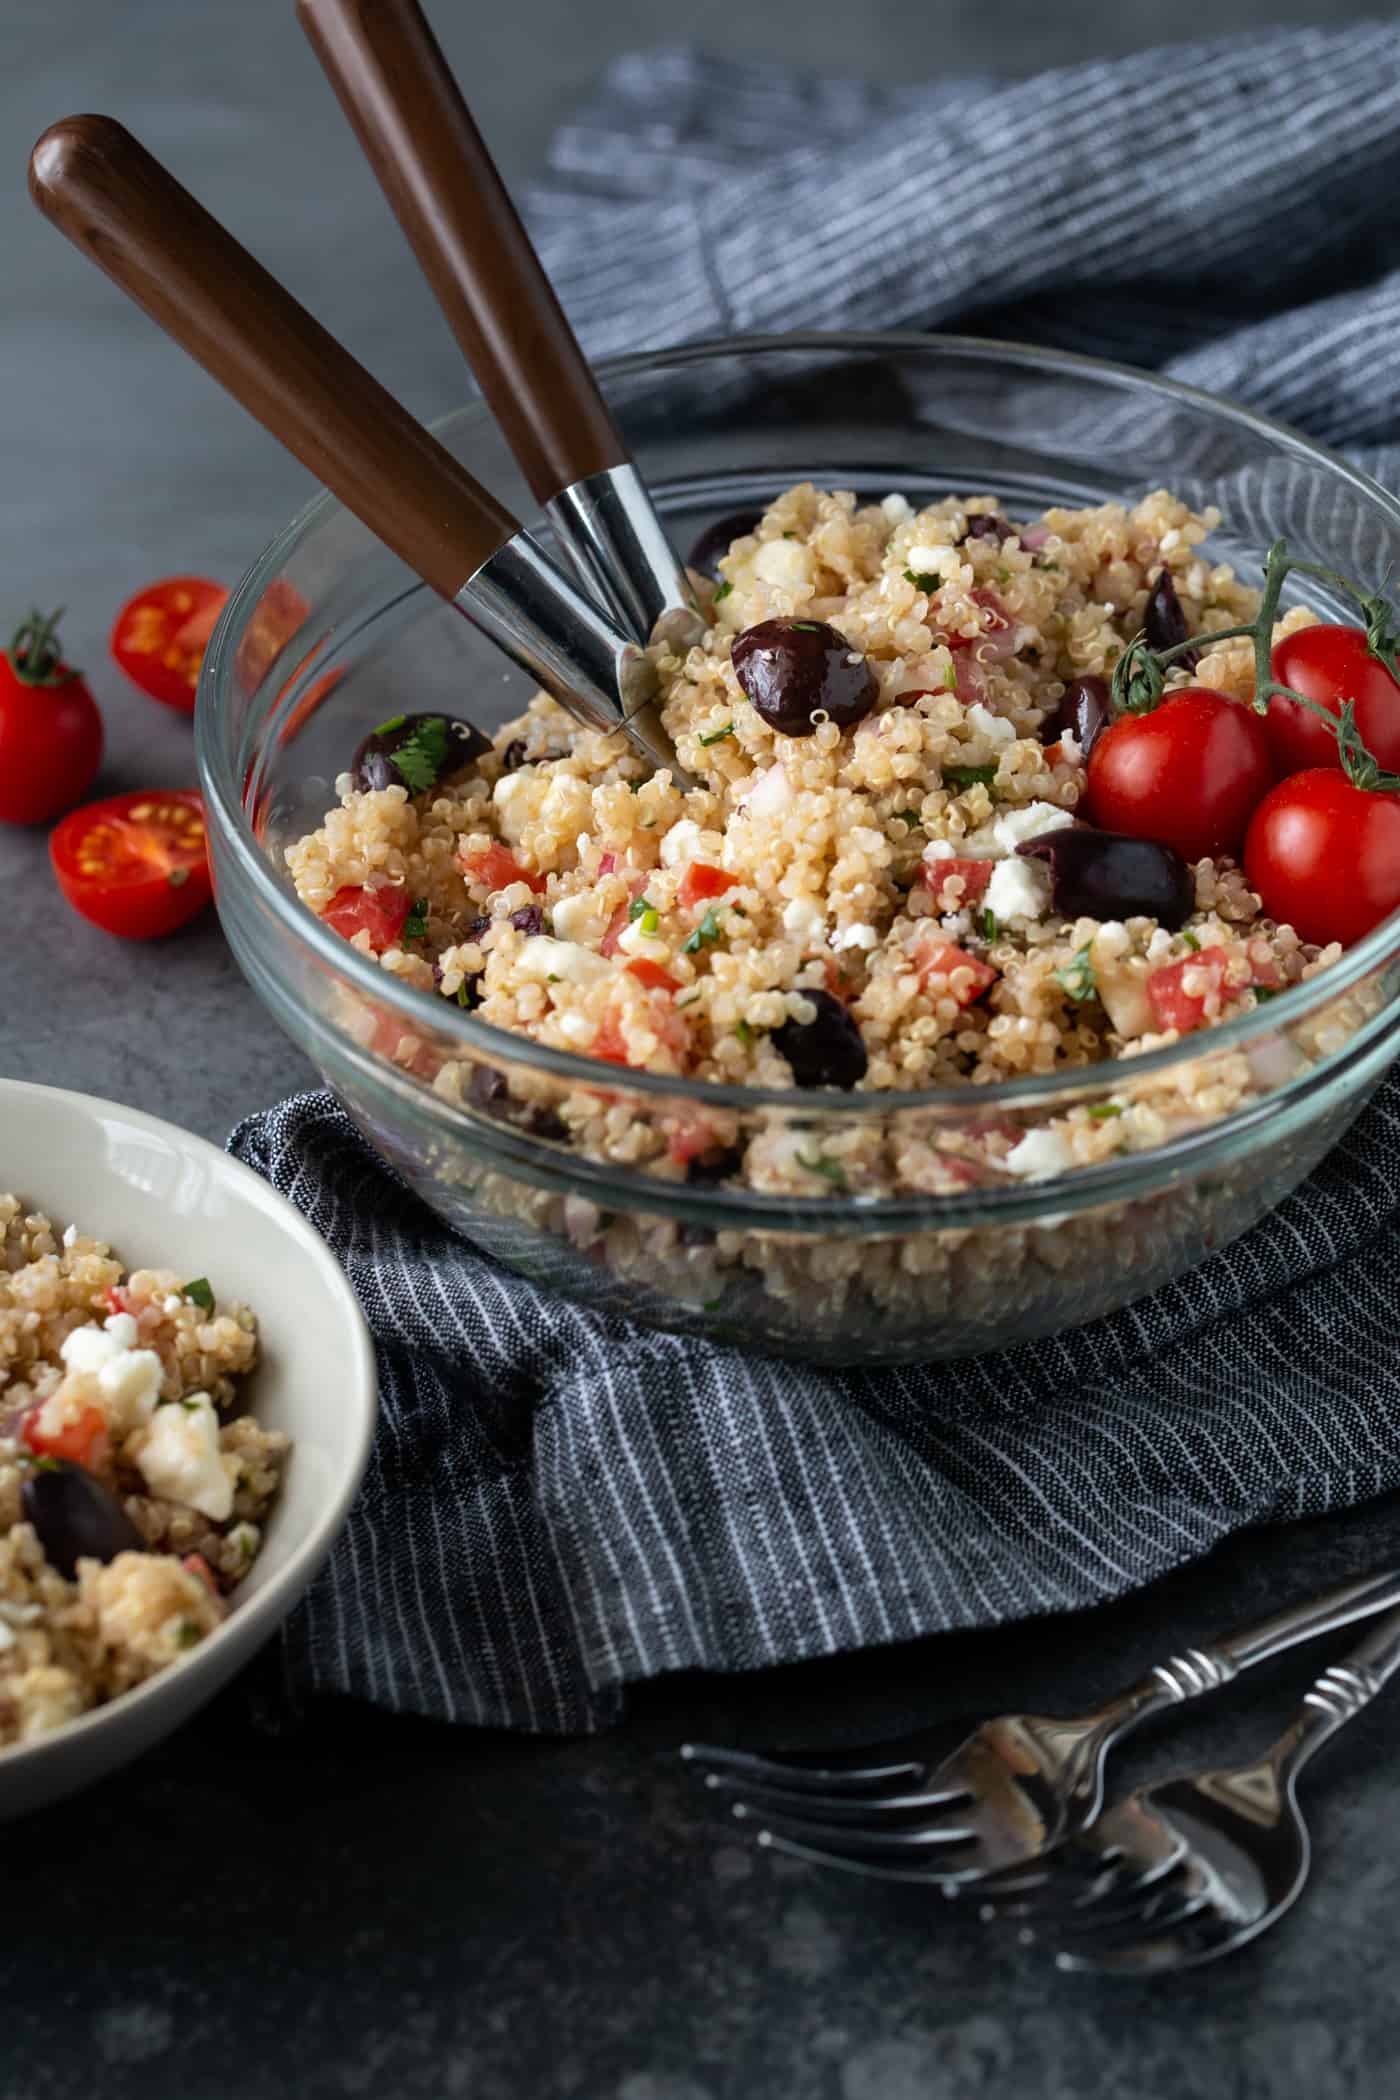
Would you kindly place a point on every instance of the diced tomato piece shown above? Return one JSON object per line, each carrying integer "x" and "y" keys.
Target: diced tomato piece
{"x": 497, "y": 867}
{"x": 942, "y": 958}
{"x": 608, "y": 864}
{"x": 610, "y": 1043}
{"x": 1173, "y": 1005}
{"x": 652, "y": 975}
{"x": 83, "y": 1440}
{"x": 117, "y": 1299}
{"x": 389, "y": 1039}
{"x": 976, "y": 874}
{"x": 617, "y": 926}
{"x": 196, "y": 1564}
{"x": 380, "y": 912}
{"x": 835, "y": 982}
{"x": 1054, "y": 753}
{"x": 701, "y": 881}
{"x": 690, "y": 1140}
{"x": 1266, "y": 973}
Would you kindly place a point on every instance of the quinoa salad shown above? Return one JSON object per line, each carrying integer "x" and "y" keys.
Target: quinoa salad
{"x": 133, "y": 1488}
{"x": 884, "y": 880}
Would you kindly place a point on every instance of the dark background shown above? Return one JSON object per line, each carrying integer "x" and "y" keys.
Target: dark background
{"x": 364, "y": 1906}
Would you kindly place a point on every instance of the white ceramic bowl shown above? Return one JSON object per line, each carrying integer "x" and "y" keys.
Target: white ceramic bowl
{"x": 164, "y": 1198}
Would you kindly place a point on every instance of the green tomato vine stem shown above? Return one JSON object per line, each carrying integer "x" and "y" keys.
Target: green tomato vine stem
{"x": 1140, "y": 675}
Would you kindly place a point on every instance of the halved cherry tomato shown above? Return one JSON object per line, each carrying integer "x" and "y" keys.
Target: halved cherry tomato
{"x": 275, "y": 618}
{"x": 652, "y": 975}
{"x": 1324, "y": 855}
{"x": 497, "y": 867}
{"x": 1189, "y": 775}
{"x": 701, "y": 881}
{"x": 1331, "y": 665}
{"x": 161, "y": 634}
{"x": 942, "y": 958}
{"x": 1172, "y": 1003}
{"x": 82, "y": 1440}
{"x": 135, "y": 865}
{"x": 50, "y": 729}
{"x": 378, "y": 909}
{"x": 976, "y": 874}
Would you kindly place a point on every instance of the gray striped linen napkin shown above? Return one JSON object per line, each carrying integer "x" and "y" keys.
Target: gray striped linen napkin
{"x": 560, "y": 1503}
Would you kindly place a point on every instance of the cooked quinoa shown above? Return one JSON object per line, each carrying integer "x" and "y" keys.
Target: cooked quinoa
{"x": 561, "y": 893}
{"x": 134, "y": 1378}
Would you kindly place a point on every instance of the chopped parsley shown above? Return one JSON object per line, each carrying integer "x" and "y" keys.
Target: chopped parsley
{"x": 1192, "y": 943}
{"x": 1264, "y": 992}
{"x": 419, "y": 758}
{"x": 1003, "y": 574}
{"x": 989, "y": 924}
{"x": 744, "y": 1032}
{"x": 923, "y": 581}
{"x": 705, "y": 935}
{"x": 1101, "y": 1111}
{"x": 638, "y": 906}
{"x": 415, "y": 926}
{"x": 806, "y": 626}
{"x": 717, "y": 736}
{"x": 830, "y": 1170}
{"x": 962, "y": 777}
{"x": 723, "y": 590}
{"x": 187, "y": 1633}
{"x": 464, "y": 993}
{"x": 199, "y": 1294}
{"x": 394, "y": 722}
{"x": 789, "y": 535}
{"x": 1077, "y": 977}
{"x": 913, "y": 818}
{"x": 952, "y": 684}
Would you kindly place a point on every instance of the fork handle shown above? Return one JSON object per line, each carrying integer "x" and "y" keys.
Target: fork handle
{"x": 1343, "y": 1691}
{"x": 1197, "y": 1671}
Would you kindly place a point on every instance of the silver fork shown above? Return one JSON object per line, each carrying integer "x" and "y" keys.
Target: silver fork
{"x": 1186, "y": 1870}
{"x": 1015, "y": 1787}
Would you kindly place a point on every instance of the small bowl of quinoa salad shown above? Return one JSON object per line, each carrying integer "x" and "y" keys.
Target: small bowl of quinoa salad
{"x": 953, "y": 999}
{"x": 166, "y": 1490}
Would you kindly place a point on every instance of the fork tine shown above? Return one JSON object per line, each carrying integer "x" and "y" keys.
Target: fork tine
{"x": 791, "y": 1772}
{"x": 1067, "y": 1885}
{"x": 1196, "y": 1941}
{"x": 838, "y": 1809}
{"x": 1095, "y": 1942}
{"x": 925, "y": 1872}
{"x": 917, "y": 1837}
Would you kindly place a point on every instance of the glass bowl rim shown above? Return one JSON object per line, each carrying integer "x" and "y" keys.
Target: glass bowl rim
{"x": 501, "y": 1045}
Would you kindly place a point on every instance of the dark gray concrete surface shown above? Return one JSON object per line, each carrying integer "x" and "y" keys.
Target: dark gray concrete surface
{"x": 369, "y": 1906}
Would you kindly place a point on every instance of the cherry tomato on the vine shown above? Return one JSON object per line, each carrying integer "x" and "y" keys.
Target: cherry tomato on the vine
{"x": 136, "y": 865}
{"x": 1331, "y": 665}
{"x": 50, "y": 729}
{"x": 1324, "y": 855}
{"x": 160, "y": 636}
{"x": 1187, "y": 775}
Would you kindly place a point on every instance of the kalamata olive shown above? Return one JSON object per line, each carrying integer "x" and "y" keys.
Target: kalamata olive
{"x": 1164, "y": 622}
{"x": 986, "y": 525}
{"x": 513, "y": 757}
{"x": 490, "y": 1090}
{"x": 827, "y": 1050}
{"x": 1082, "y": 713}
{"x": 439, "y": 745}
{"x": 76, "y": 1517}
{"x": 717, "y": 539}
{"x": 713, "y": 1167}
{"x": 1104, "y": 875}
{"x": 529, "y": 919}
{"x": 791, "y": 668}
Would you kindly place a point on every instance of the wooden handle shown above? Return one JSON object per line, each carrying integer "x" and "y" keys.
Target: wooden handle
{"x": 122, "y": 208}
{"x": 394, "y": 85}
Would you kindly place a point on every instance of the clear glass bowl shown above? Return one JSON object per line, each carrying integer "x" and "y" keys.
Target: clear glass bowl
{"x": 328, "y": 634}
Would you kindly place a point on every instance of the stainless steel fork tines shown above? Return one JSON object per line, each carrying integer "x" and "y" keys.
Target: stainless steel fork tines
{"x": 1190, "y": 1869}
{"x": 1012, "y": 1789}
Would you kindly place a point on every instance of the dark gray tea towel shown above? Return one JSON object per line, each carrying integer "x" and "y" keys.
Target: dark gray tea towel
{"x": 560, "y": 1503}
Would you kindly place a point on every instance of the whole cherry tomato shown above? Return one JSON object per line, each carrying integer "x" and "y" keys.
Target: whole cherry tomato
{"x": 1331, "y": 665}
{"x": 1324, "y": 855}
{"x": 50, "y": 730}
{"x": 136, "y": 865}
{"x": 1188, "y": 775}
{"x": 161, "y": 634}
